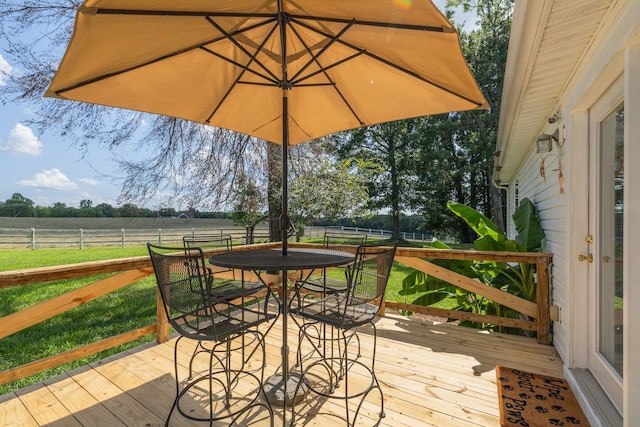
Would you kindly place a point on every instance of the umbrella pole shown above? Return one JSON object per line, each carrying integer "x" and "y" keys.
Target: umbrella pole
{"x": 284, "y": 217}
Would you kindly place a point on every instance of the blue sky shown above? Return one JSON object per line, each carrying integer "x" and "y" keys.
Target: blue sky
{"x": 48, "y": 169}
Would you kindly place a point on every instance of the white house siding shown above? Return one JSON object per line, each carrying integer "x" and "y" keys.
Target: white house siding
{"x": 613, "y": 56}
{"x": 552, "y": 209}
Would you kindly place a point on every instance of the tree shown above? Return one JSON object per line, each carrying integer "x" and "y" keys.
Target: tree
{"x": 486, "y": 52}
{"x": 389, "y": 145}
{"x": 59, "y": 209}
{"x": 250, "y": 207}
{"x": 18, "y": 205}
{"x": 437, "y": 164}
{"x": 128, "y": 210}
{"x": 330, "y": 191}
{"x": 453, "y": 157}
{"x": 104, "y": 210}
{"x": 175, "y": 161}
{"x": 180, "y": 163}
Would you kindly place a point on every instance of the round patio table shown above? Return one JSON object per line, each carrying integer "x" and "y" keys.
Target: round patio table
{"x": 280, "y": 387}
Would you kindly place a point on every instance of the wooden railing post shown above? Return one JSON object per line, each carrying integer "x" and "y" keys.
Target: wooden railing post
{"x": 162, "y": 326}
{"x": 543, "y": 301}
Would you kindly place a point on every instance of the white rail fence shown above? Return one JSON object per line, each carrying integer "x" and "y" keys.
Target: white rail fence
{"x": 32, "y": 238}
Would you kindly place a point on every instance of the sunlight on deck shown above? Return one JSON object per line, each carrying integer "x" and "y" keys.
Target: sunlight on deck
{"x": 430, "y": 374}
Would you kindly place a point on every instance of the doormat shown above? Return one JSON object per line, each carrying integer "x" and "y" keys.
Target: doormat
{"x": 531, "y": 400}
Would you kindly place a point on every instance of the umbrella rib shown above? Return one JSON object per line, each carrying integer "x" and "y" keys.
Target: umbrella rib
{"x": 142, "y": 12}
{"x": 159, "y": 59}
{"x": 274, "y": 80}
{"x": 107, "y": 11}
{"x": 416, "y": 75}
{"x": 392, "y": 65}
{"x": 429, "y": 28}
{"x": 252, "y": 57}
{"x": 314, "y": 58}
{"x": 323, "y": 69}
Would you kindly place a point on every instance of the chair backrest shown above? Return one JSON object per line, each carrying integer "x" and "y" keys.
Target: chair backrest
{"x": 369, "y": 275}
{"x": 183, "y": 283}
{"x": 348, "y": 239}
{"x": 208, "y": 241}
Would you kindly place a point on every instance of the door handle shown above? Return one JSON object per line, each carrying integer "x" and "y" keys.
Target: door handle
{"x": 588, "y": 257}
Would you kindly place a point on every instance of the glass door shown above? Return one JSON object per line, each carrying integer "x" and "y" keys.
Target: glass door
{"x": 606, "y": 219}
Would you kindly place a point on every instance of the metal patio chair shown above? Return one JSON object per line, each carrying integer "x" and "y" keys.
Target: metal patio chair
{"x": 230, "y": 327}
{"x": 205, "y": 242}
{"x": 223, "y": 287}
{"x": 331, "y": 361}
{"x": 335, "y": 281}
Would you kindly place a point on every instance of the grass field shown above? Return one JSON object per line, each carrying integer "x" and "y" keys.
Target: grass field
{"x": 124, "y": 310}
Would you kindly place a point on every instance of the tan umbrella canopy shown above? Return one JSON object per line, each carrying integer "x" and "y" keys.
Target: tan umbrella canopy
{"x": 285, "y": 71}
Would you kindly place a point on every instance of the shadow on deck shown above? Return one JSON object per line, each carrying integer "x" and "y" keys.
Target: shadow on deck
{"x": 431, "y": 375}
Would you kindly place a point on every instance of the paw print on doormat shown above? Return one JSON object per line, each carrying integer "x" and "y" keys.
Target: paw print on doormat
{"x": 507, "y": 387}
{"x": 573, "y": 420}
{"x": 542, "y": 409}
{"x": 555, "y": 422}
{"x": 524, "y": 396}
{"x": 541, "y": 397}
{"x": 558, "y": 408}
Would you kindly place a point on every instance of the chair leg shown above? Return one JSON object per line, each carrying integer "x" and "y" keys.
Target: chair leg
{"x": 221, "y": 378}
{"x": 334, "y": 370}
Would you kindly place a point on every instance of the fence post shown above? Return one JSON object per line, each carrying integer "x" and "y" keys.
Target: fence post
{"x": 159, "y": 236}
{"x": 81, "y": 237}
{"x": 543, "y": 301}
{"x": 122, "y": 237}
{"x": 33, "y": 238}
{"x": 162, "y": 323}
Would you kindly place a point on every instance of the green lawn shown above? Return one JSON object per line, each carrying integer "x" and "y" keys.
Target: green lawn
{"x": 124, "y": 310}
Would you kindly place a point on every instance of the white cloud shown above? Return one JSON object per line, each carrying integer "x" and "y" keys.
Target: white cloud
{"x": 22, "y": 142}
{"x": 5, "y": 69}
{"x": 51, "y": 179}
{"x": 89, "y": 181}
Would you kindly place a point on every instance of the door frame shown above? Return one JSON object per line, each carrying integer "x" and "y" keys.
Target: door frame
{"x": 610, "y": 381}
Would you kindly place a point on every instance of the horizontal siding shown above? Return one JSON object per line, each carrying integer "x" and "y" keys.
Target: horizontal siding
{"x": 552, "y": 207}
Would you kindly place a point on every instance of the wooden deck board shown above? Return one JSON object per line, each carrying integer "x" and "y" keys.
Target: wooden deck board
{"x": 431, "y": 375}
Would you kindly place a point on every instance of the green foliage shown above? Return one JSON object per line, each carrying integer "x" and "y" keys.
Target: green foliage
{"x": 17, "y": 205}
{"x": 518, "y": 279}
{"x": 491, "y": 238}
{"x": 250, "y": 205}
{"x": 331, "y": 190}
{"x": 530, "y": 233}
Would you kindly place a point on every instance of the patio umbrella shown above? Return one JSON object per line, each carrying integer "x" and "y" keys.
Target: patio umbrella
{"x": 285, "y": 71}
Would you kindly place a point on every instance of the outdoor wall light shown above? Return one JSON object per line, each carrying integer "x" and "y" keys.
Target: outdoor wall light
{"x": 544, "y": 144}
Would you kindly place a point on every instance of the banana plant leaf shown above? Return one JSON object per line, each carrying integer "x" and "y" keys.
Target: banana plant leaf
{"x": 530, "y": 232}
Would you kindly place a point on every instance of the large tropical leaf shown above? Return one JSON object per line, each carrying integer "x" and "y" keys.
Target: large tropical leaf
{"x": 433, "y": 297}
{"x": 530, "y": 232}
{"x": 418, "y": 282}
{"x": 479, "y": 223}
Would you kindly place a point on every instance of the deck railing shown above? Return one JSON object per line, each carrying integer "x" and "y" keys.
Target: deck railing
{"x": 130, "y": 270}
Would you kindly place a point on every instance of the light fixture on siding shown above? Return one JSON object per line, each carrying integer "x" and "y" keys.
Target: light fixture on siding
{"x": 544, "y": 144}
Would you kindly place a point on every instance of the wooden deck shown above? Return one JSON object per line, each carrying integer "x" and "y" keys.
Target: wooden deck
{"x": 431, "y": 375}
